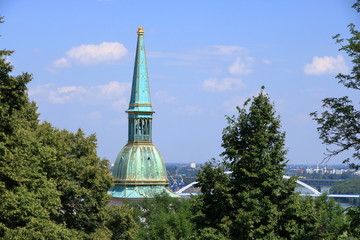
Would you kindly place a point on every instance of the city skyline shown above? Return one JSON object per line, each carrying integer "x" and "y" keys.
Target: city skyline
{"x": 204, "y": 59}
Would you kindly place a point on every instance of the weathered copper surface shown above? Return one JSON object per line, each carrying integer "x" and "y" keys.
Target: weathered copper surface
{"x": 139, "y": 170}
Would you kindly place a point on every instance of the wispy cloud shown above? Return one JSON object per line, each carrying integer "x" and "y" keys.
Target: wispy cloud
{"x": 266, "y": 61}
{"x": 224, "y": 84}
{"x": 224, "y": 50}
{"x": 90, "y": 54}
{"x": 61, "y": 63}
{"x": 65, "y": 94}
{"x": 215, "y": 50}
{"x": 113, "y": 93}
{"x": 326, "y": 65}
{"x": 242, "y": 65}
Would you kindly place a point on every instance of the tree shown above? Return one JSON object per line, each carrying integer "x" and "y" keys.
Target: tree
{"x": 163, "y": 217}
{"x": 82, "y": 178}
{"x": 351, "y": 186}
{"x": 254, "y": 201}
{"x": 340, "y": 122}
{"x": 331, "y": 222}
{"x": 354, "y": 215}
{"x": 121, "y": 223}
{"x": 52, "y": 183}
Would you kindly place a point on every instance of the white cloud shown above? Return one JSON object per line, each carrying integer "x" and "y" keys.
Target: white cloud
{"x": 326, "y": 65}
{"x": 224, "y": 50}
{"x": 120, "y": 104}
{"x": 70, "y": 89}
{"x": 266, "y": 61}
{"x": 104, "y": 52}
{"x": 61, "y": 63}
{"x": 112, "y": 93}
{"x": 241, "y": 66}
{"x": 213, "y": 84}
{"x": 38, "y": 90}
{"x": 65, "y": 94}
{"x": 113, "y": 89}
{"x": 90, "y": 54}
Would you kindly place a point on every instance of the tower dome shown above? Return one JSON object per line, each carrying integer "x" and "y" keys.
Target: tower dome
{"x": 139, "y": 170}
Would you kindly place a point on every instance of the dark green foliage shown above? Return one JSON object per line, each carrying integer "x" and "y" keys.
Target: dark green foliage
{"x": 329, "y": 176}
{"x": 215, "y": 202}
{"x": 164, "y": 218}
{"x": 81, "y": 177}
{"x": 316, "y": 219}
{"x": 347, "y": 187}
{"x": 209, "y": 234}
{"x": 254, "y": 201}
{"x": 121, "y": 223}
{"x": 331, "y": 221}
{"x": 340, "y": 122}
{"x": 354, "y": 216}
{"x": 52, "y": 183}
{"x": 28, "y": 198}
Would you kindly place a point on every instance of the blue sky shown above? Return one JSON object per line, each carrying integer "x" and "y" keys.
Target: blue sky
{"x": 204, "y": 58}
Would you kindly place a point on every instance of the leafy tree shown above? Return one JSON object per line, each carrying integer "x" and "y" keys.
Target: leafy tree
{"x": 164, "y": 218}
{"x": 340, "y": 123}
{"x": 81, "y": 177}
{"x": 209, "y": 233}
{"x": 347, "y": 187}
{"x": 121, "y": 223}
{"x": 52, "y": 183}
{"x": 212, "y": 207}
{"x": 331, "y": 221}
{"x": 254, "y": 201}
{"x": 354, "y": 217}
{"x": 28, "y": 199}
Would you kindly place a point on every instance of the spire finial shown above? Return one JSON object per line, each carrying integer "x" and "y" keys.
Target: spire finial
{"x": 140, "y": 30}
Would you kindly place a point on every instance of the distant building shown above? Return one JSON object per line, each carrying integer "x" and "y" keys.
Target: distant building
{"x": 139, "y": 171}
{"x": 192, "y": 165}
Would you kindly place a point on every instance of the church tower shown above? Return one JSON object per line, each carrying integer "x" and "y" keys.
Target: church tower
{"x": 139, "y": 170}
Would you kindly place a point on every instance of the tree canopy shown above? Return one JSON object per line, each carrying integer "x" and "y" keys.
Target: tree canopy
{"x": 245, "y": 196}
{"x": 163, "y": 217}
{"x": 253, "y": 201}
{"x": 340, "y": 122}
{"x": 52, "y": 183}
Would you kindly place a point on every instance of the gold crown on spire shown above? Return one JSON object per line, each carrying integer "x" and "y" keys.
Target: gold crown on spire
{"x": 140, "y": 30}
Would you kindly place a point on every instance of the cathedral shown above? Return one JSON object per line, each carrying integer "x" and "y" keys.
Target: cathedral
{"x": 139, "y": 171}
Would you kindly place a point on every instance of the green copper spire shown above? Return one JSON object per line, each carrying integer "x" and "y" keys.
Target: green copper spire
{"x": 140, "y": 92}
{"x": 140, "y": 110}
{"x": 139, "y": 170}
